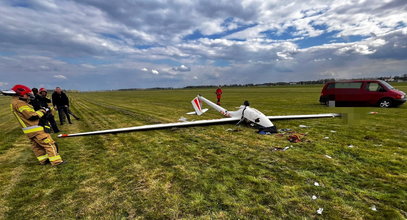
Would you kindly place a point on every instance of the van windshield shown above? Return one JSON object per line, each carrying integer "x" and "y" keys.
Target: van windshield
{"x": 387, "y": 85}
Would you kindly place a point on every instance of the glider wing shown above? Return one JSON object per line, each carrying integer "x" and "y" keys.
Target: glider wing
{"x": 287, "y": 117}
{"x": 153, "y": 127}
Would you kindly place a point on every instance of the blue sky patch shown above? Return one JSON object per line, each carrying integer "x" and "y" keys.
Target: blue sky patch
{"x": 7, "y": 53}
{"x": 111, "y": 36}
{"x": 221, "y": 63}
{"x": 197, "y": 33}
{"x": 327, "y": 38}
{"x": 163, "y": 61}
{"x": 305, "y": 42}
{"x": 21, "y": 4}
{"x": 286, "y": 35}
{"x": 145, "y": 46}
{"x": 84, "y": 60}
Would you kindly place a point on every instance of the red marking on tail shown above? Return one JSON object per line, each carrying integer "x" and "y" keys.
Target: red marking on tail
{"x": 197, "y": 104}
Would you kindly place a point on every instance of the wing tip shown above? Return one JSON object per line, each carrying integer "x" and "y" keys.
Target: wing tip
{"x": 63, "y": 135}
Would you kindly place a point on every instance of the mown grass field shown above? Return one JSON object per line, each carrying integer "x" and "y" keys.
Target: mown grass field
{"x": 210, "y": 172}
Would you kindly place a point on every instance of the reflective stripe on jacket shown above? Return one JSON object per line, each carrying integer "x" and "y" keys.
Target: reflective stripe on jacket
{"x": 27, "y": 116}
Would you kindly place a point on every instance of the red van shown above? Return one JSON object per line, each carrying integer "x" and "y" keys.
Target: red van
{"x": 362, "y": 92}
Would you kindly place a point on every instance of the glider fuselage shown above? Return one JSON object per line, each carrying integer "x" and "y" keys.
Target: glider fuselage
{"x": 244, "y": 112}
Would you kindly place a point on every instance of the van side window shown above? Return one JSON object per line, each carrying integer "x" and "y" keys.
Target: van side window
{"x": 348, "y": 85}
{"x": 330, "y": 86}
{"x": 374, "y": 87}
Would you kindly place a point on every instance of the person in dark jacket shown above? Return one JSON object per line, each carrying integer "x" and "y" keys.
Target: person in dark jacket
{"x": 61, "y": 103}
{"x": 43, "y": 102}
{"x": 35, "y": 102}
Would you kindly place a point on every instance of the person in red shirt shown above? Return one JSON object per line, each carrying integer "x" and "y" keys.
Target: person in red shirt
{"x": 219, "y": 94}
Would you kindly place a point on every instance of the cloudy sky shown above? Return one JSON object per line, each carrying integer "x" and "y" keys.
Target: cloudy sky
{"x": 96, "y": 44}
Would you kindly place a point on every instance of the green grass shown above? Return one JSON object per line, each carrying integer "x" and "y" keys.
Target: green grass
{"x": 209, "y": 172}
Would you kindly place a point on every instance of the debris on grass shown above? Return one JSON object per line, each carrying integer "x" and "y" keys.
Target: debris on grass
{"x": 284, "y": 130}
{"x": 277, "y": 148}
{"x": 350, "y": 145}
{"x": 232, "y": 130}
{"x": 316, "y": 184}
{"x": 373, "y": 113}
{"x": 326, "y": 137}
{"x": 282, "y": 149}
{"x": 332, "y": 131}
{"x": 327, "y": 156}
{"x": 183, "y": 119}
{"x": 295, "y": 138}
{"x": 303, "y": 126}
{"x": 373, "y": 207}
{"x": 378, "y": 145}
{"x": 314, "y": 197}
{"x": 264, "y": 133}
{"x": 320, "y": 210}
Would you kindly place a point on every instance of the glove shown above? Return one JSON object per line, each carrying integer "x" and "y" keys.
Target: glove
{"x": 46, "y": 110}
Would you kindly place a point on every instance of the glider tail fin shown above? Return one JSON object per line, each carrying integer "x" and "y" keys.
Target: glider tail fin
{"x": 197, "y": 105}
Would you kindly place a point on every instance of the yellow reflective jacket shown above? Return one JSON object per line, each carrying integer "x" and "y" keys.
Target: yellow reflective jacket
{"x": 27, "y": 117}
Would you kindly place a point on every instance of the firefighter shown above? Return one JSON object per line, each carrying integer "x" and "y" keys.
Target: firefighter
{"x": 35, "y": 102}
{"x": 43, "y": 102}
{"x": 43, "y": 146}
{"x": 218, "y": 94}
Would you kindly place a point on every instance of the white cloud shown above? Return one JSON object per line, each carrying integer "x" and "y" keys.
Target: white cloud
{"x": 60, "y": 77}
{"x": 104, "y": 42}
{"x": 355, "y": 49}
{"x": 377, "y": 43}
{"x": 89, "y": 66}
{"x": 181, "y": 68}
{"x": 155, "y": 72}
{"x": 284, "y": 55}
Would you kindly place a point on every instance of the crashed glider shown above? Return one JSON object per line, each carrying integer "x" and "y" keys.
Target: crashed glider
{"x": 245, "y": 113}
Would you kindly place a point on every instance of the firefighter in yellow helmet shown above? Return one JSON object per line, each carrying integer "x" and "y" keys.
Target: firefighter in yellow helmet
{"x": 43, "y": 146}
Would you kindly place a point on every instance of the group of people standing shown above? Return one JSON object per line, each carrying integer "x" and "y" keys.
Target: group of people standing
{"x": 34, "y": 122}
{"x": 59, "y": 102}
{"x": 35, "y": 113}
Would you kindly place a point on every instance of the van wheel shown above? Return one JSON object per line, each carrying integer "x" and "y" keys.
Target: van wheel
{"x": 385, "y": 103}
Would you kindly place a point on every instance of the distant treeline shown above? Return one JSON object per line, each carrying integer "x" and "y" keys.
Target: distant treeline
{"x": 309, "y": 82}
{"x": 402, "y": 78}
{"x": 154, "y": 88}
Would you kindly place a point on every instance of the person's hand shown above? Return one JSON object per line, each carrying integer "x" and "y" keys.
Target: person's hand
{"x": 45, "y": 110}
{"x": 66, "y": 106}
